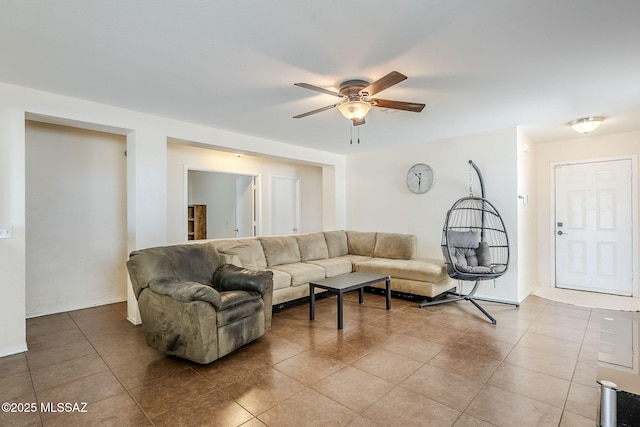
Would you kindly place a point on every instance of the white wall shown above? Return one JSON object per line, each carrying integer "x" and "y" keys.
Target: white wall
{"x": 527, "y": 216}
{"x": 380, "y": 201}
{"x": 12, "y": 214}
{"x": 147, "y": 137}
{"x": 76, "y": 215}
{"x": 591, "y": 146}
{"x": 180, "y": 155}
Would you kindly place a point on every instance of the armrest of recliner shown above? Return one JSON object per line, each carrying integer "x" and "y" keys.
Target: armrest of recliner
{"x": 230, "y": 277}
{"x": 185, "y": 291}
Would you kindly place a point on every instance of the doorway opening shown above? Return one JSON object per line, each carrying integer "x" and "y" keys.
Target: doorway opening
{"x": 231, "y": 201}
{"x": 76, "y": 218}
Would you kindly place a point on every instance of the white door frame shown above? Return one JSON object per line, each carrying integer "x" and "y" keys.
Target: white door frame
{"x": 634, "y": 215}
{"x": 257, "y": 190}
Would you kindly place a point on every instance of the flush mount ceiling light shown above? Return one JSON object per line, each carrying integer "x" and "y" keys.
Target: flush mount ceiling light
{"x": 586, "y": 124}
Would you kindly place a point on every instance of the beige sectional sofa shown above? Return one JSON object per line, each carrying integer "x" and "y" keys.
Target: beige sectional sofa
{"x": 295, "y": 260}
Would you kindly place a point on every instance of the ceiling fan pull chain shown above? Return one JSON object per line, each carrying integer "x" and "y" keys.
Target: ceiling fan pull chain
{"x": 358, "y": 135}
{"x": 350, "y": 135}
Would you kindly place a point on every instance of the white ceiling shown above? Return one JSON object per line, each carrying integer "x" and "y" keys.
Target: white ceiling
{"x": 231, "y": 64}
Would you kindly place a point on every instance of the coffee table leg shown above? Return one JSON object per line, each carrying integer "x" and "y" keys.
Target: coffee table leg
{"x": 361, "y": 295}
{"x": 340, "y": 310}
{"x": 312, "y": 302}
{"x": 388, "y": 284}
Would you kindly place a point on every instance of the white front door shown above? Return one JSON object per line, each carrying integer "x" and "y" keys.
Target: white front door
{"x": 593, "y": 226}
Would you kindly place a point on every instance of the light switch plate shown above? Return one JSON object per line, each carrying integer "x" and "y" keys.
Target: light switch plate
{"x": 6, "y": 232}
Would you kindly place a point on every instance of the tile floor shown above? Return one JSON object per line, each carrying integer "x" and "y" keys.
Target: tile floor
{"x": 441, "y": 366}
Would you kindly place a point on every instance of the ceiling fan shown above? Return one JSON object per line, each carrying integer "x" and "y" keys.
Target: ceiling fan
{"x": 357, "y": 97}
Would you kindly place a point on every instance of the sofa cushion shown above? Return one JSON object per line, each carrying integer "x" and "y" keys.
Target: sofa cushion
{"x": 336, "y": 243}
{"x": 249, "y": 252}
{"x": 302, "y": 273}
{"x": 280, "y": 250}
{"x": 237, "y": 305}
{"x": 354, "y": 259}
{"x": 394, "y": 246}
{"x": 418, "y": 287}
{"x": 421, "y": 269}
{"x": 281, "y": 279}
{"x": 312, "y": 246}
{"x": 361, "y": 243}
{"x": 333, "y": 266}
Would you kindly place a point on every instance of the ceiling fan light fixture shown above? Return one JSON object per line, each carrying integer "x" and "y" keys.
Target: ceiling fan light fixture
{"x": 586, "y": 125}
{"x": 354, "y": 110}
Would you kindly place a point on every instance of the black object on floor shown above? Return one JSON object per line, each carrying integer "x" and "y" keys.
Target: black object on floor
{"x": 628, "y": 412}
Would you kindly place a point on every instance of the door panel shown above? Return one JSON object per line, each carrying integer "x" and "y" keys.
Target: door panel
{"x": 285, "y": 205}
{"x": 245, "y": 206}
{"x": 593, "y": 227}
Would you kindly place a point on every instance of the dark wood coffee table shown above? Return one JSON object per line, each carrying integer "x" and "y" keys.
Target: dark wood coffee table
{"x": 345, "y": 283}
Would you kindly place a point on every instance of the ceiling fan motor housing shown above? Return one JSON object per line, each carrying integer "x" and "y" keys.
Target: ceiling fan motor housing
{"x": 351, "y": 88}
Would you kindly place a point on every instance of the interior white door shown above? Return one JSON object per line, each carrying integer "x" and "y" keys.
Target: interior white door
{"x": 245, "y": 206}
{"x": 285, "y": 205}
{"x": 593, "y": 226}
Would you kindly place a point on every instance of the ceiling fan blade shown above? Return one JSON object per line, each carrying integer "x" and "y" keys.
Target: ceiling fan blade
{"x": 318, "y": 89}
{"x": 398, "y": 105}
{"x": 385, "y": 82}
{"x": 358, "y": 122}
{"x": 319, "y": 110}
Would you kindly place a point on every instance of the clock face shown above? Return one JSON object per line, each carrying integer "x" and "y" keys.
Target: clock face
{"x": 420, "y": 178}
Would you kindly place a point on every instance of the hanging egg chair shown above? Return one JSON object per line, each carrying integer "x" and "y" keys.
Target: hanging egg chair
{"x": 474, "y": 244}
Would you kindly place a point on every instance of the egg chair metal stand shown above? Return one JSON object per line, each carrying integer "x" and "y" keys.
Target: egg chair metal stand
{"x": 475, "y": 246}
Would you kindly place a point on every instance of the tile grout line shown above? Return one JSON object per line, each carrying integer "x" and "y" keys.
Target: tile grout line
{"x": 575, "y": 366}
{"x": 501, "y": 363}
{"x": 111, "y": 370}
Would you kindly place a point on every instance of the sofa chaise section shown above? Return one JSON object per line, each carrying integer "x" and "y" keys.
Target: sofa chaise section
{"x": 393, "y": 254}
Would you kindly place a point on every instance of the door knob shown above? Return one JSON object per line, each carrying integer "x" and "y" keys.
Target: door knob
{"x": 560, "y": 233}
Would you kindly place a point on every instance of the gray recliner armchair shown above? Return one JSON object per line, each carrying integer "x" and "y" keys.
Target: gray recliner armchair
{"x": 196, "y": 306}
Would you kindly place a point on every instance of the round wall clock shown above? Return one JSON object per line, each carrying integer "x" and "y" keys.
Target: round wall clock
{"x": 420, "y": 178}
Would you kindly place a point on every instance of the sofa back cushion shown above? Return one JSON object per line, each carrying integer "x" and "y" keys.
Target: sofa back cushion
{"x": 395, "y": 246}
{"x": 248, "y": 251}
{"x": 188, "y": 262}
{"x": 336, "y": 243}
{"x": 280, "y": 250}
{"x": 361, "y": 243}
{"x": 312, "y": 246}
